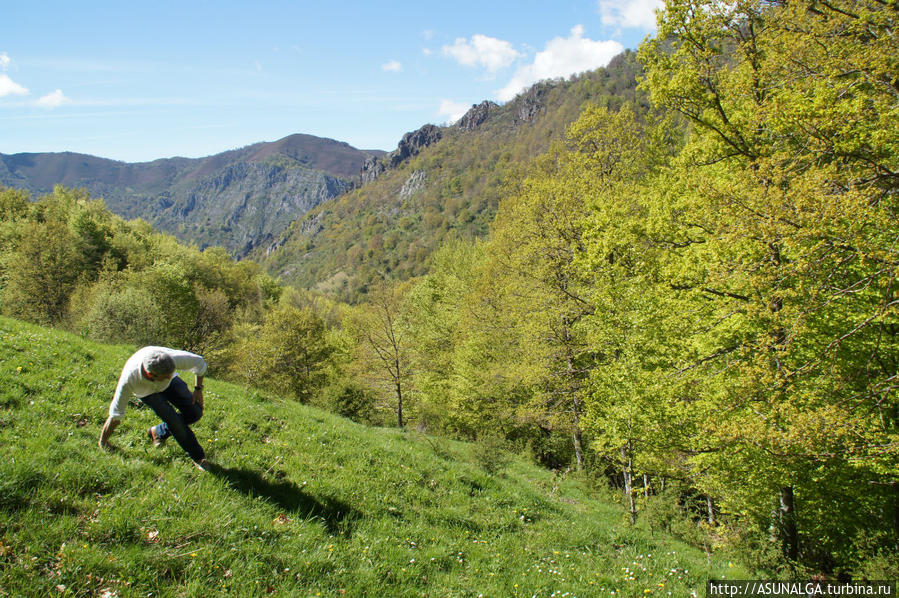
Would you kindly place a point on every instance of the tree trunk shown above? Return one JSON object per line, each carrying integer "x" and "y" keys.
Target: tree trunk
{"x": 399, "y": 398}
{"x": 574, "y": 387}
{"x": 711, "y": 509}
{"x": 627, "y": 470}
{"x": 896, "y": 513}
{"x": 788, "y": 533}
{"x": 578, "y": 446}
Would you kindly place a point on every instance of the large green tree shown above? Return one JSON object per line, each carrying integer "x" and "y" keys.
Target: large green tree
{"x": 542, "y": 229}
{"x": 785, "y": 202}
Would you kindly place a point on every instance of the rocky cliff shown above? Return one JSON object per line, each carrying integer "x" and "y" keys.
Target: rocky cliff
{"x": 410, "y": 145}
{"x": 247, "y": 204}
{"x": 476, "y": 116}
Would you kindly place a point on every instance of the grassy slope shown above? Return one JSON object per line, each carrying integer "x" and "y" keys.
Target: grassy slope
{"x": 302, "y": 503}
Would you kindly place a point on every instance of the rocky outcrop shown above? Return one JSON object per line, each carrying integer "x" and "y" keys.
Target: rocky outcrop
{"x": 412, "y": 143}
{"x": 475, "y": 117}
{"x": 372, "y": 169}
{"x": 413, "y": 184}
{"x": 531, "y": 102}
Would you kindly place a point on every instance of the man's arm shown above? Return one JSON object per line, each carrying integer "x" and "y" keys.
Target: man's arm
{"x": 111, "y": 424}
{"x": 185, "y": 360}
{"x": 116, "y": 409}
{"x": 198, "y": 391}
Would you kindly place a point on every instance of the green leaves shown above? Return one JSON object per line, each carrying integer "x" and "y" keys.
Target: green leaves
{"x": 783, "y": 200}
{"x": 718, "y": 304}
{"x": 290, "y": 352}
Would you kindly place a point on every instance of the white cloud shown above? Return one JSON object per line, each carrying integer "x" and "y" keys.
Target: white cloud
{"x": 53, "y": 99}
{"x": 488, "y": 52}
{"x": 8, "y": 87}
{"x": 630, "y": 13}
{"x": 562, "y": 57}
{"x": 453, "y": 111}
{"x": 394, "y": 66}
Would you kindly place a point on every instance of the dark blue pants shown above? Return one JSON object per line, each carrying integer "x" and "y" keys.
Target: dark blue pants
{"x": 176, "y": 423}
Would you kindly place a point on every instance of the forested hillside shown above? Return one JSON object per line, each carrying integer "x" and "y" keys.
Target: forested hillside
{"x": 692, "y": 303}
{"x": 717, "y": 310}
{"x": 449, "y": 189}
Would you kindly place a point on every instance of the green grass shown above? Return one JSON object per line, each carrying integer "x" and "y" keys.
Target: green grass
{"x": 301, "y": 503}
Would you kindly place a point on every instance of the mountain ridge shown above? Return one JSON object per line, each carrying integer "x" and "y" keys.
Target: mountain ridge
{"x": 383, "y": 213}
{"x": 201, "y": 200}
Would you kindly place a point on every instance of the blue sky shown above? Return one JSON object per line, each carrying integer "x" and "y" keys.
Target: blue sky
{"x": 136, "y": 81}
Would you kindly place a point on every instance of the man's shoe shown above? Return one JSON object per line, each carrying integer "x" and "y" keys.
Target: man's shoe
{"x": 157, "y": 440}
{"x": 202, "y": 465}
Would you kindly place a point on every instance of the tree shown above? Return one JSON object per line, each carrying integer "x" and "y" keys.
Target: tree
{"x": 13, "y": 204}
{"x": 541, "y": 230}
{"x": 384, "y": 352}
{"x": 289, "y": 353}
{"x": 41, "y": 272}
{"x": 784, "y": 253}
{"x": 436, "y": 308}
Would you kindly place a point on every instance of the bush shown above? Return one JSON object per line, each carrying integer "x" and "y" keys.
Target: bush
{"x": 489, "y": 451}
{"x": 289, "y": 354}
{"x": 351, "y": 401}
{"x": 171, "y": 287}
{"x": 40, "y": 273}
{"x": 127, "y": 315}
{"x": 662, "y": 511}
{"x": 875, "y": 556}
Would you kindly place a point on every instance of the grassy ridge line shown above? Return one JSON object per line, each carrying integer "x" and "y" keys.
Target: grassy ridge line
{"x": 302, "y": 503}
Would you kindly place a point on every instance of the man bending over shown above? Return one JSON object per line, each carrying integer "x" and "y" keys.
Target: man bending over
{"x": 150, "y": 375}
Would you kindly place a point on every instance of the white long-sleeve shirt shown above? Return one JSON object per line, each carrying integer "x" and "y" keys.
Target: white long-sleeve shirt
{"x": 133, "y": 382}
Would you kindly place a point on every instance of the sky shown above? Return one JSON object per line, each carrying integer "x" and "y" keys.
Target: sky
{"x": 137, "y": 81}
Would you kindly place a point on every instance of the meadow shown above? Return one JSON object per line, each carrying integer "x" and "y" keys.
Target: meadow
{"x": 300, "y": 502}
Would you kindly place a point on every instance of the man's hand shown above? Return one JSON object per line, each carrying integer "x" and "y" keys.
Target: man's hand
{"x": 110, "y": 425}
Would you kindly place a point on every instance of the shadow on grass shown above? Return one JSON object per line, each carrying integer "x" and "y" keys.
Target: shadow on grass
{"x": 337, "y": 516}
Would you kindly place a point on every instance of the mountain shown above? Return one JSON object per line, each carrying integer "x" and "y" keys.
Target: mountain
{"x": 238, "y": 199}
{"x": 441, "y": 183}
{"x": 321, "y": 214}
{"x": 299, "y": 502}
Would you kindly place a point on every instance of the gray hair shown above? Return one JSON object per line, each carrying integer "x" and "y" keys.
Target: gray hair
{"x": 159, "y": 363}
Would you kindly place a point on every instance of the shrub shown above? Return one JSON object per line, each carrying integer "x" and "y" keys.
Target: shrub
{"x": 351, "y": 401}
{"x": 489, "y": 451}
{"x": 289, "y": 354}
{"x": 40, "y": 273}
{"x": 127, "y": 315}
